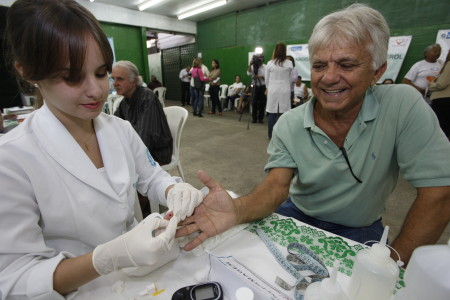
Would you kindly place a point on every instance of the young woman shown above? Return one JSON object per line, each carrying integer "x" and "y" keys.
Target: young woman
{"x": 69, "y": 173}
{"x": 214, "y": 87}
{"x": 197, "y": 99}
{"x": 278, "y": 82}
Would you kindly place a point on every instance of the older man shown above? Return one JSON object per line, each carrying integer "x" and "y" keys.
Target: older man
{"x": 143, "y": 110}
{"x": 425, "y": 71}
{"x": 337, "y": 158}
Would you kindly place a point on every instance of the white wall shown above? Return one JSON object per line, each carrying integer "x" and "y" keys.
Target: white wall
{"x": 154, "y": 65}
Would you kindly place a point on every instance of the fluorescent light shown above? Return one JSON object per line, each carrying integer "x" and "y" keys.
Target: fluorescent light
{"x": 195, "y": 5}
{"x": 202, "y": 9}
{"x": 91, "y": 0}
{"x": 147, "y": 4}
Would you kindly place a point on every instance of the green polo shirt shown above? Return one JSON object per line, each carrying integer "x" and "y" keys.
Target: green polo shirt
{"x": 395, "y": 133}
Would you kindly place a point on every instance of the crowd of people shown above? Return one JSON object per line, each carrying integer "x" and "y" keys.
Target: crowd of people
{"x": 332, "y": 162}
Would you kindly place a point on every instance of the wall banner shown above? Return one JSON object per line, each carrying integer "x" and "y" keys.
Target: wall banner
{"x": 443, "y": 39}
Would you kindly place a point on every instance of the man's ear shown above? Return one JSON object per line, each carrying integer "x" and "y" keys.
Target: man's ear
{"x": 378, "y": 73}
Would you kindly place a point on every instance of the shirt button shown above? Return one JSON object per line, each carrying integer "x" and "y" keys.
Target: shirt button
{"x": 325, "y": 142}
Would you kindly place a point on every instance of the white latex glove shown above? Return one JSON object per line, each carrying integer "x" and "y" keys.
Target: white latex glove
{"x": 182, "y": 199}
{"x": 138, "y": 247}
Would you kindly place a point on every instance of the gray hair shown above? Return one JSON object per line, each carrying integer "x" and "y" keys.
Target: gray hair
{"x": 357, "y": 23}
{"x": 133, "y": 72}
{"x": 428, "y": 48}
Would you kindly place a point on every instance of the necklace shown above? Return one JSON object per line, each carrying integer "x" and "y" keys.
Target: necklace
{"x": 85, "y": 144}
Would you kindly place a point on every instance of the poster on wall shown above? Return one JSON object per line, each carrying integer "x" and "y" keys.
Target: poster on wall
{"x": 300, "y": 54}
{"x": 443, "y": 39}
{"x": 398, "y": 47}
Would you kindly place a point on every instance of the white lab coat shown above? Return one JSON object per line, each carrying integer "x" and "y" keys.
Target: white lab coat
{"x": 278, "y": 82}
{"x": 54, "y": 203}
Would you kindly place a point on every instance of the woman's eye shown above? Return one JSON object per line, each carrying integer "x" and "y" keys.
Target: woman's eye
{"x": 101, "y": 75}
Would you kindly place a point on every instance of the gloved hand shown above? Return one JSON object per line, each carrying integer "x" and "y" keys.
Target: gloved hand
{"x": 138, "y": 247}
{"x": 182, "y": 199}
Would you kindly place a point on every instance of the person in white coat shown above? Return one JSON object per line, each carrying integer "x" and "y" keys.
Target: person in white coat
{"x": 278, "y": 82}
{"x": 69, "y": 173}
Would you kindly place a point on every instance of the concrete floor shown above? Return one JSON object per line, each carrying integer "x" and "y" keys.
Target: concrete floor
{"x": 235, "y": 156}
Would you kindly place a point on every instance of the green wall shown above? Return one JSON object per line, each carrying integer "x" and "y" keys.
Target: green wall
{"x": 129, "y": 44}
{"x": 229, "y": 38}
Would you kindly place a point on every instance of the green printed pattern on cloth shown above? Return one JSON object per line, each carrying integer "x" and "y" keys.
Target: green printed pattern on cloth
{"x": 284, "y": 231}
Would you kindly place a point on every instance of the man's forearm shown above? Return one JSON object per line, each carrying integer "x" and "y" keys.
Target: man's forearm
{"x": 425, "y": 222}
{"x": 266, "y": 197}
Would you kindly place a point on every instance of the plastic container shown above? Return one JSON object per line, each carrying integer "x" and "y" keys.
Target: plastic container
{"x": 244, "y": 293}
{"x": 374, "y": 273}
{"x": 428, "y": 274}
{"x": 327, "y": 289}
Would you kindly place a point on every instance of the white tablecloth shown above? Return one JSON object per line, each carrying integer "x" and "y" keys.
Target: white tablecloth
{"x": 246, "y": 247}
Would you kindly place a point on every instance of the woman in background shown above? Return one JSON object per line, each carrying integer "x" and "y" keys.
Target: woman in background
{"x": 214, "y": 87}
{"x": 197, "y": 99}
{"x": 278, "y": 81}
{"x": 440, "y": 96}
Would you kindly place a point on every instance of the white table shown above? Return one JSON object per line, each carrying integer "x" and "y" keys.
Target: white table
{"x": 245, "y": 246}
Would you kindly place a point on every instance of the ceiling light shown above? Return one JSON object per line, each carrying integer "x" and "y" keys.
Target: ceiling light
{"x": 202, "y": 9}
{"x": 91, "y": 0}
{"x": 147, "y": 4}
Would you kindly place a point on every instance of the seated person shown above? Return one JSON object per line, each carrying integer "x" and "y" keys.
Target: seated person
{"x": 300, "y": 92}
{"x": 154, "y": 83}
{"x": 388, "y": 81}
{"x": 334, "y": 161}
{"x": 244, "y": 99}
{"x": 234, "y": 92}
{"x": 143, "y": 110}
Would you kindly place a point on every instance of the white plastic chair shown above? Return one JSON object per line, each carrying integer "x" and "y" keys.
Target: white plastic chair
{"x": 206, "y": 95}
{"x": 113, "y": 103}
{"x": 161, "y": 93}
{"x": 223, "y": 92}
{"x": 176, "y": 117}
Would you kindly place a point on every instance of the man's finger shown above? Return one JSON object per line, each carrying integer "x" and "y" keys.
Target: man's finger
{"x": 195, "y": 242}
{"x": 186, "y": 230}
{"x": 207, "y": 180}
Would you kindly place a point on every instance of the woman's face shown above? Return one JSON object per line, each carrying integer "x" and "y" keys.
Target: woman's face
{"x": 78, "y": 101}
{"x": 213, "y": 64}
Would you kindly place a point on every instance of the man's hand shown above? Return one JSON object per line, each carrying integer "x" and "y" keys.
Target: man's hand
{"x": 217, "y": 213}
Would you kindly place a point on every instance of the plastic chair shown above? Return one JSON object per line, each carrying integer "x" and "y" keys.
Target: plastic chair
{"x": 161, "y": 93}
{"x": 206, "y": 95}
{"x": 176, "y": 117}
{"x": 223, "y": 92}
{"x": 113, "y": 103}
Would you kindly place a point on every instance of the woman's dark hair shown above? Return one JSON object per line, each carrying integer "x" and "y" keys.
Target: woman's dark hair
{"x": 279, "y": 54}
{"x": 291, "y": 59}
{"x": 47, "y": 36}
{"x": 217, "y": 64}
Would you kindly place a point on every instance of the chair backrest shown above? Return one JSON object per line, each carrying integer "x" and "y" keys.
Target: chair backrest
{"x": 161, "y": 94}
{"x": 116, "y": 103}
{"x": 223, "y": 90}
{"x": 176, "y": 117}
{"x": 207, "y": 87}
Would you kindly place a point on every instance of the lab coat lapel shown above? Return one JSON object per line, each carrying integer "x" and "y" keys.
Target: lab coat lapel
{"x": 114, "y": 157}
{"x": 63, "y": 148}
